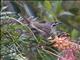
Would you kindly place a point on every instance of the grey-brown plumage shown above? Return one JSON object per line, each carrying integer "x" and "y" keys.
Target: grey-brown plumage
{"x": 43, "y": 28}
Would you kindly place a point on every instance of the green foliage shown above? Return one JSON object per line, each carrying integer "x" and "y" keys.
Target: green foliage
{"x": 18, "y": 42}
{"x": 74, "y": 34}
{"x": 47, "y": 5}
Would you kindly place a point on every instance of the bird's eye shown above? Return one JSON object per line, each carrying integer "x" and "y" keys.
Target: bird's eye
{"x": 54, "y": 24}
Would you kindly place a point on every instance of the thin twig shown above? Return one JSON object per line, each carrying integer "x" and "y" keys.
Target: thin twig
{"x": 51, "y": 53}
{"x": 27, "y": 27}
{"x": 15, "y": 44}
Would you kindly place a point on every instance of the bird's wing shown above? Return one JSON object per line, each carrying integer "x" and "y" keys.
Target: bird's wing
{"x": 42, "y": 27}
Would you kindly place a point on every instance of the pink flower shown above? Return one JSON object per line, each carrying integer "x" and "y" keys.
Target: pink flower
{"x": 68, "y": 55}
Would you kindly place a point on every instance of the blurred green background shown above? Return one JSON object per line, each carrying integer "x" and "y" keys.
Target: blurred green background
{"x": 17, "y": 42}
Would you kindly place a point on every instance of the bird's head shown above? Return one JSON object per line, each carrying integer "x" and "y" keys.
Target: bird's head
{"x": 55, "y": 23}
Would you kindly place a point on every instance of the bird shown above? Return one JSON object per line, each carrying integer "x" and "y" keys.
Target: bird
{"x": 43, "y": 28}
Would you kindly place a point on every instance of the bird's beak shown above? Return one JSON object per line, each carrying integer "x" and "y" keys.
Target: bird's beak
{"x": 58, "y": 23}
